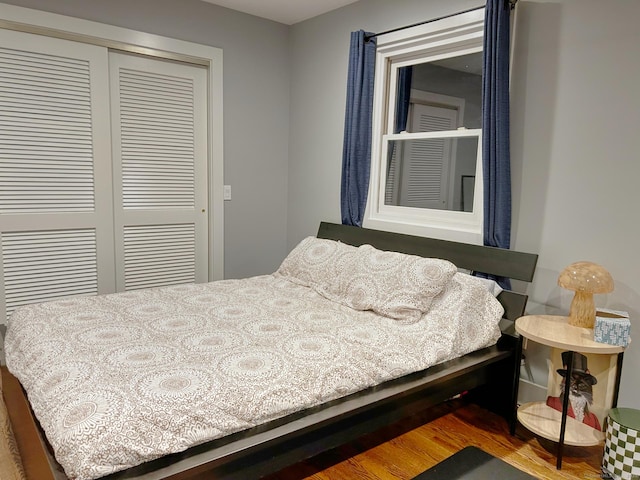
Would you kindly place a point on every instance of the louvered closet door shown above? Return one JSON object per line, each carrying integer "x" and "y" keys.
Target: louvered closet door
{"x": 160, "y": 171}
{"x": 56, "y": 204}
{"x": 427, "y": 163}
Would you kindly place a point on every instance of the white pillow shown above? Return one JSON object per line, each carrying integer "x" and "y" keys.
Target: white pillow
{"x": 491, "y": 285}
{"x": 392, "y": 284}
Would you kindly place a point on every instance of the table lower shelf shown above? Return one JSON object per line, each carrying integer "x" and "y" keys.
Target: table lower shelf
{"x": 545, "y": 421}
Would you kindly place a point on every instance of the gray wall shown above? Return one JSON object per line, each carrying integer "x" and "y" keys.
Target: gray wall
{"x": 256, "y": 110}
{"x": 436, "y": 79}
{"x": 575, "y": 140}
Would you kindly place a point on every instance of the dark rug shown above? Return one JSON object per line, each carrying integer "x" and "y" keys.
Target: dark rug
{"x": 472, "y": 463}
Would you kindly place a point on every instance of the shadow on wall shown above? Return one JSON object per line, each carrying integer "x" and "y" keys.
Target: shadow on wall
{"x": 534, "y": 70}
{"x": 627, "y": 295}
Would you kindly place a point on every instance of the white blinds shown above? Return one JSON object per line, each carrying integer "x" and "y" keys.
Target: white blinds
{"x": 157, "y": 128}
{"x": 46, "y": 158}
{"x": 45, "y": 265}
{"x": 425, "y": 171}
{"x": 157, "y": 255}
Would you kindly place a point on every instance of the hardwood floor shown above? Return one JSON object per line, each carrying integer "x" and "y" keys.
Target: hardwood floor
{"x": 405, "y": 449}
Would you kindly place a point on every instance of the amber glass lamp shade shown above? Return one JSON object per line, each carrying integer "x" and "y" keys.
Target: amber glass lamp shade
{"x": 585, "y": 278}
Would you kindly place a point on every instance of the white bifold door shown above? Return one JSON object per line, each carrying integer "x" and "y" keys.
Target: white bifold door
{"x": 160, "y": 171}
{"x": 103, "y": 171}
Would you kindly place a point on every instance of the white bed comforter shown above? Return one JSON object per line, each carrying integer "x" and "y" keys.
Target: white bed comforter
{"x": 117, "y": 380}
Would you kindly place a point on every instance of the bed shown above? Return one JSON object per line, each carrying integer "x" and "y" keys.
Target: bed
{"x": 383, "y": 370}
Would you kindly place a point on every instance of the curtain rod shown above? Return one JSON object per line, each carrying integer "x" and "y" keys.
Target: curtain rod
{"x": 512, "y": 4}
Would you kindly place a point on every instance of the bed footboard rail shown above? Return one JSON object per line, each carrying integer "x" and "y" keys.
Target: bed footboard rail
{"x": 33, "y": 453}
{"x": 267, "y": 449}
{"x": 254, "y": 454}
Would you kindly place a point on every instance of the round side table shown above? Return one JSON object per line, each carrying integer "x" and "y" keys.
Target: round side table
{"x": 556, "y": 424}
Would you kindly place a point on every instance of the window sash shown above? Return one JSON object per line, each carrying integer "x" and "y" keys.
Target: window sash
{"x": 453, "y": 36}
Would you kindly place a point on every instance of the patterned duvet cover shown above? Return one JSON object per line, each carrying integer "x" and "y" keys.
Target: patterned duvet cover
{"x": 117, "y": 380}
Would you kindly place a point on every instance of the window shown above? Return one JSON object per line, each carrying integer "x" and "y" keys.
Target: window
{"x": 426, "y": 167}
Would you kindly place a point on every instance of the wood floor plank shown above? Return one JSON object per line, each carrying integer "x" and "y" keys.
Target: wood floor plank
{"x": 403, "y": 450}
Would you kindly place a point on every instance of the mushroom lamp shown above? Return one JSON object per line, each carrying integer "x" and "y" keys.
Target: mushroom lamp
{"x": 585, "y": 278}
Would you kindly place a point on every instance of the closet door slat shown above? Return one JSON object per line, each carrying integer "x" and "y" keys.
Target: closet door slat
{"x": 48, "y": 265}
{"x": 158, "y": 255}
{"x": 168, "y": 99}
{"x": 39, "y": 85}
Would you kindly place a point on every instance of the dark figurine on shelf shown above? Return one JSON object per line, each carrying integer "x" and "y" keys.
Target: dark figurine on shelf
{"x": 580, "y": 390}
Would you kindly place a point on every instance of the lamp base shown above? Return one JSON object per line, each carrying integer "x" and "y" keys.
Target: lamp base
{"x": 583, "y": 310}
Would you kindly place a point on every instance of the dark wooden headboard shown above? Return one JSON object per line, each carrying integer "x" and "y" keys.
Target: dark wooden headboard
{"x": 495, "y": 261}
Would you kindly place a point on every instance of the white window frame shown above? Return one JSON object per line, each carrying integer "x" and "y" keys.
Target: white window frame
{"x": 85, "y": 31}
{"x": 450, "y": 37}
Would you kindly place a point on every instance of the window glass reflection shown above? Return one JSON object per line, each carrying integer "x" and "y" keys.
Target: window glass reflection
{"x": 457, "y": 77}
{"x": 435, "y": 173}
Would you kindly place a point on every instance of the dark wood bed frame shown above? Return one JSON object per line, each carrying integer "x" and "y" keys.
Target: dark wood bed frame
{"x": 490, "y": 376}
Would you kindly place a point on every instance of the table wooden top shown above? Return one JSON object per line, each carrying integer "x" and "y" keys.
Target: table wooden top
{"x": 555, "y": 331}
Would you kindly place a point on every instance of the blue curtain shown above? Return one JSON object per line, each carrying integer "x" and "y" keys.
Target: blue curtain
{"x": 496, "y": 160}
{"x": 356, "y": 152}
{"x": 405, "y": 75}
{"x": 403, "y": 97}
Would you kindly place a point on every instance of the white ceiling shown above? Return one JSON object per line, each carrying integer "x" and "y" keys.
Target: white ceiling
{"x": 294, "y": 11}
{"x": 283, "y": 11}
